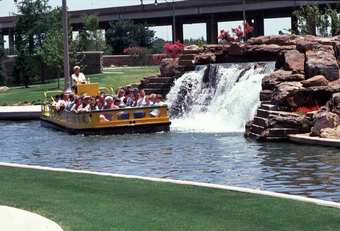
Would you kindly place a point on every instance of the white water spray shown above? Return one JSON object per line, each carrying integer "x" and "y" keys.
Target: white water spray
{"x": 219, "y": 99}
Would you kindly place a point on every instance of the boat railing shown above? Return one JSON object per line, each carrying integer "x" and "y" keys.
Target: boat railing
{"x": 116, "y": 117}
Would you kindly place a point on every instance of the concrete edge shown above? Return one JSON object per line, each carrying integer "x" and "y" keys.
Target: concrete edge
{"x": 182, "y": 182}
{"x": 32, "y": 217}
{"x": 306, "y": 139}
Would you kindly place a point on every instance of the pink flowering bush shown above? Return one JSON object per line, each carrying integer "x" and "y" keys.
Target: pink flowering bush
{"x": 238, "y": 33}
{"x": 173, "y": 49}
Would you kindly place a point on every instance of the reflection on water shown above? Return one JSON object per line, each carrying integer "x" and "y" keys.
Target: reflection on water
{"x": 216, "y": 158}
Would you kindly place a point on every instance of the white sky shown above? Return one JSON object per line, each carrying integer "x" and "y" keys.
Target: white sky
{"x": 195, "y": 31}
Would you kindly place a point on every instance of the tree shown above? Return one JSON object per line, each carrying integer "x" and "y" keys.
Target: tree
{"x": 311, "y": 19}
{"x": 90, "y": 38}
{"x": 123, "y": 34}
{"x": 51, "y": 50}
{"x": 32, "y": 24}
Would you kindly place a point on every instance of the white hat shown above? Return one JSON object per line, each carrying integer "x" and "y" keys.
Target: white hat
{"x": 76, "y": 67}
{"x": 108, "y": 98}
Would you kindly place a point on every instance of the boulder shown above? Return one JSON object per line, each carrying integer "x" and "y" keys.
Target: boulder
{"x": 324, "y": 119}
{"x": 266, "y": 49}
{"x": 283, "y": 93}
{"x": 192, "y": 49}
{"x": 168, "y": 67}
{"x": 285, "y": 39}
{"x": 318, "y": 80}
{"x": 205, "y": 58}
{"x": 269, "y": 82}
{"x": 290, "y": 120}
{"x": 334, "y": 103}
{"x": 3, "y": 88}
{"x": 236, "y": 49}
{"x": 321, "y": 62}
{"x": 291, "y": 60}
{"x": 330, "y": 133}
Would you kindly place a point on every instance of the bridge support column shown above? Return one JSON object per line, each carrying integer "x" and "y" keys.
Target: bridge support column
{"x": 11, "y": 42}
{"x": 177, "y": 32}
{"x": 258, "y": 26}
{"x": 212, "y": 30}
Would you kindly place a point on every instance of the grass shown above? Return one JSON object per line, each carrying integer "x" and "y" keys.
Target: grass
{"x": 88, "y": 202}
{"x": 110, "y": 78}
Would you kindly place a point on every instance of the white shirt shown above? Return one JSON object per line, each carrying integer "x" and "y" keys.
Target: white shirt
{"x": 78, "y": 79}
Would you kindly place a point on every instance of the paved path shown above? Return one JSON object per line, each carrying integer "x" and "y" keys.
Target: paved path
{"x": 20, "y": 112}
{"x": 307, "y": 139}
{"x": 12, "y": 219}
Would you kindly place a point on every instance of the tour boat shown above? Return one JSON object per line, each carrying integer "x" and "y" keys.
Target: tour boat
{"x": 117, "y": 121}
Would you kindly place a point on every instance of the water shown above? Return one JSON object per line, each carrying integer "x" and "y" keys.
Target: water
{"x": 223, "y": 158}
{"x": 221, "y": 100}
{"x": 209, "y": 109}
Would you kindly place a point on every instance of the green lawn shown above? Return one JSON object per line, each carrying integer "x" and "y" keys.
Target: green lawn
{"x": 110, "y": 78}
{"x": 88, "y": 202}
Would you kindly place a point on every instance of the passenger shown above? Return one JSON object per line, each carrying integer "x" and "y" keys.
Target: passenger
{"x": 128, "y": 101}
{"x": 101, "y": 101}
{"x": 78, "y": 77}
{"x": 61, "y": 103}
{"x": 85, "y": 104}
{"x": 116, "y": 102}
{"x": 109, "y": 103}
{"x": 153, "y": 99}
{"x": 147, "y": 101}
{"x": 159, "y": 101}
{"x": 76, "y": 105}
{"x": 121, "y": 96}
{"x": 71, "y": 101}
{"x": 134, "y": 98}
{"x": 141, "y": 100}
{"x": 93, "y": 104}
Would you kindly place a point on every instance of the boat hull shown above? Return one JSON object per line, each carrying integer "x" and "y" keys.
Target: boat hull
{"x": 119, "y": 130}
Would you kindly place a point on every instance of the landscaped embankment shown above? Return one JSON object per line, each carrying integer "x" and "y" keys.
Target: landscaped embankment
{"x": 91, "y": 202}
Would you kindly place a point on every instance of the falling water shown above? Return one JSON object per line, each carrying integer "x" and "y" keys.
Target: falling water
{"x": 217, "y": 98}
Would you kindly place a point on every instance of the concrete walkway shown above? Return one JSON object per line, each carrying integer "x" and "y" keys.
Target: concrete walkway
{"x": 307, "y": 139}
{"x": 20, "y": 112}
{"x": 12, "y": 219}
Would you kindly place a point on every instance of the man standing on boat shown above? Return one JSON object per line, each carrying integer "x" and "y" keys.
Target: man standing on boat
{"x": 78, "y": 77}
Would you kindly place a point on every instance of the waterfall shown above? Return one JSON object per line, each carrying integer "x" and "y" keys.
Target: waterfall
{"x": 217, "y": 97}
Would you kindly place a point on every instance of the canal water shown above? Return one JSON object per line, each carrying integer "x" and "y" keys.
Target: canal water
{"x": 223, "y": 158}
{"x": 209, "y": 109}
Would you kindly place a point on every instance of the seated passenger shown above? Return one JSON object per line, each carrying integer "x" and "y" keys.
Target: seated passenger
{"x": 128, "y": 101}
{"x": 121, "y": 96}
{"x": 159, "y": 101}
{"x": 76, "y": 105}
{"x": 141, "y": 100}
{"x": 61, "y": 103}
{"x": 116, "y": 102}
{"x": 109, "y": 103}
{"x": 153, "y": 98}
{"x": 78, "y": 77}
{"x": 93, "y": 104}
{"x": 70, "y": 102}
{"x": 85, "y": 104}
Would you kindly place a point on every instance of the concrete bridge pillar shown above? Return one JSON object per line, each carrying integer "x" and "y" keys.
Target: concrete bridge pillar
{"x": 212, "y": 30}
{"x": 258, "y": 26}
{"x": 11, "y": 42}
{"x": 177, "y": 32}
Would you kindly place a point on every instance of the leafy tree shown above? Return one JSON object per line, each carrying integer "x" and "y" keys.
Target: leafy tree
{"x": 90, "y": 38}
{"x": 123, "y": 34}
{"x": 31, "y": 27}
{"x": 311, "y": 18}
{"x": 51, "y": 50}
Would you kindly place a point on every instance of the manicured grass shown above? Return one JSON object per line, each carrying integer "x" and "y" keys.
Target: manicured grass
{"x": 88, "y": 202}
{"x": 110, "y": 78}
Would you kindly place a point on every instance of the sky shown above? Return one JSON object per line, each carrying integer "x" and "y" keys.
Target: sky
{"x": 195, "y": 31}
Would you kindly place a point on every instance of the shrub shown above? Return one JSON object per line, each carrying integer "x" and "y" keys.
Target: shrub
{"x": 173, "y": 49}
